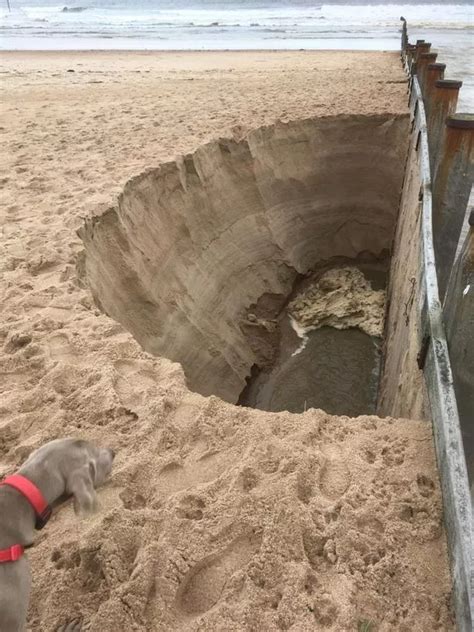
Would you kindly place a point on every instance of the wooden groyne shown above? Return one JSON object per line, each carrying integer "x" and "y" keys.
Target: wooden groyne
{"x": 442, "y": 149}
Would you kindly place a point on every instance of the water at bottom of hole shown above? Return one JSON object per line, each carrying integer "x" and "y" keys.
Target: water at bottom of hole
{"x": 338, "y": 371}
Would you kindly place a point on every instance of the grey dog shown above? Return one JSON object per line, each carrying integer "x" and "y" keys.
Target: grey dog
{"x": 59, "y": 469}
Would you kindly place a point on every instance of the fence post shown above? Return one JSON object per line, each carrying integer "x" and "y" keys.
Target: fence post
{"x": 452, "y": 182}
{"x": 434, "y": 355}
{"x": 423, "y": 61}
{"x": 421, "y": 47}
{"x": 459, "y": 321}
{"x": 404, "y": 35}
{"x": 434, "y": 72}
{"x": 443, "y": 104}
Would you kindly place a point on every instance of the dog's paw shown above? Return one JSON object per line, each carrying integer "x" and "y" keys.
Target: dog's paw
{"x": 75, "y": 625}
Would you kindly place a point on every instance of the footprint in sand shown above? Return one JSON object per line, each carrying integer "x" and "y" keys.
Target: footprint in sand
{"x": 61, "y": 349}
{"x": 334, "y": 477}
{"x": 197, "y": 469}
{"x": 10, "y": 380}
{"x": 134, "y": 379}
{"x": 203, "y": 585}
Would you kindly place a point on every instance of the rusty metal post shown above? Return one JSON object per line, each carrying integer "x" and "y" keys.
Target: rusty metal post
{"x": 452, "y": 183}
{"x": 423, "y": 61}
{"x": 459, "y": 321}
{"x": 434, "y": 72}
{"x": 443, "y": 104}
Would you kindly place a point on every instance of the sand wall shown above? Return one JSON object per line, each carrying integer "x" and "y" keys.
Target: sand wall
{"x": 402, "y": 387}
{"x": 193, "y": 244}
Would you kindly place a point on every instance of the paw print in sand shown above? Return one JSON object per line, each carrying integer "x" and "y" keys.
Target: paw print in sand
{"x": 191, "y": 507}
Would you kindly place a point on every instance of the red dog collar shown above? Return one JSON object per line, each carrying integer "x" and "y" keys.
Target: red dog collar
{"x": 37, "y": 501}
{"x": 12, "y": 554}
{"x": 33, "y": 495}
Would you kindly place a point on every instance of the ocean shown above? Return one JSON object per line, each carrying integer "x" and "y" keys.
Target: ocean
{"x": 242, "y": 24}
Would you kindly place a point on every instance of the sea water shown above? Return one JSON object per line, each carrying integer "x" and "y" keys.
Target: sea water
{"x": 241, "y": 24}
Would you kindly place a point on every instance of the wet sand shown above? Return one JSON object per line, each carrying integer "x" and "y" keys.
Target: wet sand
{"x": 329, "y": 368}
{"x": 337, "y": 371}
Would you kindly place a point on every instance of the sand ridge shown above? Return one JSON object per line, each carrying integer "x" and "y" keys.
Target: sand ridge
{"x": 216, "y": 517}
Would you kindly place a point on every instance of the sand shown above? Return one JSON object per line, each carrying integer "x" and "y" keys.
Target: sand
{"x": 216, "y": 517}
{"x": 341, "y": 298}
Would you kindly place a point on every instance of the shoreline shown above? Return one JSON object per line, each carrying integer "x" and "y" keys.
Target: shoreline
{"x": 197, "y": 51}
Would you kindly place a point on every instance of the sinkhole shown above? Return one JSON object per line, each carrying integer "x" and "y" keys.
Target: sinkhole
{"x": 260, "y": 265}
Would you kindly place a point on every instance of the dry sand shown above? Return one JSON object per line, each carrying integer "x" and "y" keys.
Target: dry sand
{"x": 216, "y": 517}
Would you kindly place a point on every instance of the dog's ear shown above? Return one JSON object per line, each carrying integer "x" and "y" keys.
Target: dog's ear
{"x": 81, "y": 486}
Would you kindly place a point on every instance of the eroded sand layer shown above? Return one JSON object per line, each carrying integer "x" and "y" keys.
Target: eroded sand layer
{"x": 216, "y": 517}
{"x": 192, "y": 246}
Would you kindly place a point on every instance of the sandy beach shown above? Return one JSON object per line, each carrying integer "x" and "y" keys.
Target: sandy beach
{"x": 217, "y": 517}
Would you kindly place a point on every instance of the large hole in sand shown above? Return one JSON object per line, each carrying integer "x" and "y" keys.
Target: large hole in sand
{"x": 220, "y": 259}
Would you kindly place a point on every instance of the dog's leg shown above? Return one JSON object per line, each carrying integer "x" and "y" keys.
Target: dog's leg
{"x": 15, "y": 584}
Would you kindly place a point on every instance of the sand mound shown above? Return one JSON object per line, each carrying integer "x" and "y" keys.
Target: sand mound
{"x": 225, "y": 518}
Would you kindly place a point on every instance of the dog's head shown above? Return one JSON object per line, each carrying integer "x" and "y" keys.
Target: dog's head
{"x": 71, "y": 467}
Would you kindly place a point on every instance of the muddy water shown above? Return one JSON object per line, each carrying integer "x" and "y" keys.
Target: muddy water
{"x": 336, "y": 370}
